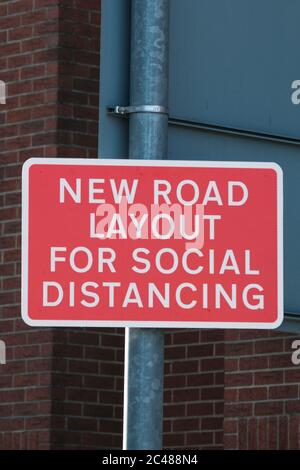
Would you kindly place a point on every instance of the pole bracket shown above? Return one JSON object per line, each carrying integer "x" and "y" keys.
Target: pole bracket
{"x": 147, "y": 108}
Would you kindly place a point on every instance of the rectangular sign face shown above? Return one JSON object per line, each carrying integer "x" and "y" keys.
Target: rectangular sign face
{"x": 152, "y": 244}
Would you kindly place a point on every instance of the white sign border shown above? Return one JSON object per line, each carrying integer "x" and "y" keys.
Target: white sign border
{"x": 161, "y": 163}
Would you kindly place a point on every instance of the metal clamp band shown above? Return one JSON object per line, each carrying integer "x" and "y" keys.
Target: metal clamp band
{"x": 147, "y": 108}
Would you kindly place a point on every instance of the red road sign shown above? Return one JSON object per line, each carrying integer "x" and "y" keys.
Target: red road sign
{"x": 152, "y": 243}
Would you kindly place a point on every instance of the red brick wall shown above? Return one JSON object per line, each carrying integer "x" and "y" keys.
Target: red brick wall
{"x": 262, "y": 397}
{"x": 59, "y": 388}
{"x": 194, "y": 389}
{"x": 87, "y": 366}
{"x": 87, "y": 383}
{"x": 28, "y": 65}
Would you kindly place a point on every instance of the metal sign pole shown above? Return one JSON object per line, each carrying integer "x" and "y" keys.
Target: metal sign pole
{"x": 148, "y": 139}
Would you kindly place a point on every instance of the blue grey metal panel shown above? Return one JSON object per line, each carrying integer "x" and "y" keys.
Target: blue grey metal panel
{"x": 114, "y": 76}
{"x": 232, "y": 63}
{"x": 291, "y": 324}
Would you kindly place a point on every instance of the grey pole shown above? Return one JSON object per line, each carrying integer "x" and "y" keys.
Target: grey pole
{"x": 148, "y": 139}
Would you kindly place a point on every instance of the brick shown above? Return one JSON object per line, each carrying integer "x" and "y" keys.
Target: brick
{"x": 26, "y": 380}
{"x": 10, "y": 49}
{"x": 283, "y": 433}
{"x": 6, "y": 411}
{"x": 44, "y": 83}
{"x": 32, "y": 72}
{"x": 44, "y": 139}
{"x": 262, "y": 425}
{"x": 253, "y": 394}
{"x": 219, "y": 407}
{"x": 231, "y": 395}
{"x": 269, "y": 346}
{"x": 268, "y": 377}
{"x": 175, "y": 381}
{"x": 112, "y": 341}
{"x": 111, "y": 368}
{"x": 73, "y": 98}
{"x": 238, "y": 409}
{"x": 268, "y": 408}
{"x": 231, "y": 364}
{"x": 6, "y": 269}
{"x": 8, "y": 213}
{"x": 3, "y": 10}
{"x": 199, "y": 438}
{"x": 212, "y": 393}
{"x": 283, "y": 391}
{"x": 238, "y": 379}
{"x": 11, "y": 255}
{"x": 230, "y": 426}
{"x": 273, "y": 433}
{"x": 86, "y": 113}
{"x": 12, "y": 424}
{"x": 75, "y": 125}
{"x": 44, "y": 3}
{"x": 19, "y": 61}
{"x": 92, "y": 87}
{"x": 47, "y": 55}
{"x": 219, "y": 378}
{"x": 34, "y": 17}
{"x": 180, "y": 425}
{"x": 44, "y": 111}
{"x": 292, "y": 406}
{"x": 186, "y": 395}
{"x": 212, "y": 364}
{"x": 31, "y": 127}
{"x": 99, "y": 411}
{"x": 294, "y": 432}
{"x": 111, "y": 397}
{"x": 185, "y": 366}
{"x": 175, "y": 352}
{"x": 254, "y": 362}
{"x": 100, "y": 383}
{"x": 283, "y": 361}
{"x": 174, "y": 411}
{"x": 195, "y": 380}
{"x": 87, "y": 4}
{"x": 8, "y": 22}
{"x": 18, "y": 34}
{"x": 9, "y": 131}
{"x": 208, "y": 336}
{"x": 190, "y": 336}
{"x": 239, "y": 349}
{"x": 230, "y": 442}
{"x": 103, "y": 354}
{"x": 201, "y": 350}
{"x": 82, "y": 424}
{"x": 174, "y": 440}
{"x": 7, "y": 242}
{"x": 67, "y": 380}
{"x": 13, "y": 396}
{"x": 19, "y": 6}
